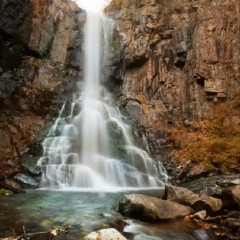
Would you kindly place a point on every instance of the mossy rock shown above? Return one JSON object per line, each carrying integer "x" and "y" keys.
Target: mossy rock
{"x": 5, "y": 192}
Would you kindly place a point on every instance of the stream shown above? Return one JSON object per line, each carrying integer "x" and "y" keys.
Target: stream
{"x": 45, "y": 210}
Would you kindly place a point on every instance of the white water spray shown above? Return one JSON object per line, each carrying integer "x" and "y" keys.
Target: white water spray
{"x": 94, "y": 149}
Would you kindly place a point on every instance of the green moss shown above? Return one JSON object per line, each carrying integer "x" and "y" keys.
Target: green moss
{"x": 5, "y": 192}
{"x": 116, "y": 42}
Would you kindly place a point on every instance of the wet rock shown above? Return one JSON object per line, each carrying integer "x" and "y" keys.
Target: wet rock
{"x": 201, "y": 215}
{"x": 204, "y": 234}
{"x": 231, "y": 197}
{"x": 232, "y": 224}
{"x": 235, "y": 182}
{"x": 5, "y": 192}
{"x": 234, "y": 214}
{"x": 215, "y": 220}
{"x": 34, "y": 171}
{"x": 105, "y": 234}
{"x": 11, "y": 185}
{"x": 199, "y": 185}
{"x": 210, "y": 204}
{"x": 212, "y": 192}
{"x": 151, "y": 208}
{"x": 180, "y": 195}
{"x": 26, "y": 181}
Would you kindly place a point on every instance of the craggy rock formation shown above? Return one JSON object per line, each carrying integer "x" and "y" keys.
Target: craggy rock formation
{"x": 39, "y": 62}
{"x": 178, "y": 74}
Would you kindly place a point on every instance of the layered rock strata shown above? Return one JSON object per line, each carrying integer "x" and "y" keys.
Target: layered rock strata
{"x": 177, "y": 61}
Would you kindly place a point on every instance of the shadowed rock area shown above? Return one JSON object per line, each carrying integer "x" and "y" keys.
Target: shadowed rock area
{"x": 39, "y": 65}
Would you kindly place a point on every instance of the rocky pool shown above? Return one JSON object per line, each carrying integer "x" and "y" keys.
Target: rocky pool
{"x": 84, "y": 212}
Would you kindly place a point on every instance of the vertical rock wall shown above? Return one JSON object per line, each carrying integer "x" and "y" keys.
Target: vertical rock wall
{"x": 39, "y": 65}
{"x": 178, "y": 60}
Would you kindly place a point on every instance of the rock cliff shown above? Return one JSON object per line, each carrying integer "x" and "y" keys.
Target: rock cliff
{"x": 173, "y": 66}
{"x": 39, "y": 63}
{"x": 178, "y": 74}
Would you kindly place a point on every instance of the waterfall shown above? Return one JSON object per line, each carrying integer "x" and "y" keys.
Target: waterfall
{"x": 92, "y": 147}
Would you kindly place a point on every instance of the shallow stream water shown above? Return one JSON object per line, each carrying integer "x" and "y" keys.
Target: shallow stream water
{"x": 44, "y": 210}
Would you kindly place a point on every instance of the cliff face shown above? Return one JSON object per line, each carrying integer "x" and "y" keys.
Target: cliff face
{"x": 39, "y": 62}
{"x": 178, "y": 70}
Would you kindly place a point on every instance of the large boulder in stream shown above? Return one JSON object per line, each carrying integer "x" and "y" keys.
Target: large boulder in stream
{"x": 105, "y": 234}
{"x": 151, "y": 208}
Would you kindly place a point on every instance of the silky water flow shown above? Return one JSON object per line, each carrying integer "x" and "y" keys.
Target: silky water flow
{"x": 94, "y": 148}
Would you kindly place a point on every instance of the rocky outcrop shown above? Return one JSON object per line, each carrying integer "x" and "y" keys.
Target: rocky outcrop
{"x": 173, "y": 57}
{"x": 178, "y": 61}
{"x": 39, "y": 62}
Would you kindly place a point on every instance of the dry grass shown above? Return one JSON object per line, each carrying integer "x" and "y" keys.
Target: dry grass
{"x": 215, "y": 141}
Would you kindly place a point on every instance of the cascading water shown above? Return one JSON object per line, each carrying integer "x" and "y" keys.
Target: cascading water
{"x": 94, "y": 148}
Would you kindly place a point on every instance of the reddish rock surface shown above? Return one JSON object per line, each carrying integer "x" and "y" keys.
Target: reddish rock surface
{"x": 178, "y": 75}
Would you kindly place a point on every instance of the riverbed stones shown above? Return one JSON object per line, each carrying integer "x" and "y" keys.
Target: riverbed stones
{"x": 180, "y": 195}
{"x": 233, "y": 224}
{"x": 210, "y": 204}
{"x": 105, "y": 234}
{"x": 231, "y": 197}
{"x": 151, "y": 209}
{"x": 201, "y": 215}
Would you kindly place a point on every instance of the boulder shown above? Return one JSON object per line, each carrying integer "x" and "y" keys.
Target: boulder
{"x": 204, "y": 234}
{"x": 210, "y": 204}
{"x": 180, "y": 195}
{"x": 11, "y": 185}
{"x": 197, "y": 171}
{"x": 26, "y": 181}
{"x": 231, "y": 197}
{"x": 235, "y": 182}
{"x": 212, "y": 192}
{"x": 201, "y": 215}
{"x": 105, "y": 234}
{"x": 232, "y": 224}
{"x": 151, "y": 208}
